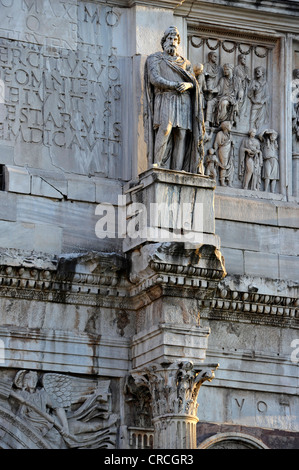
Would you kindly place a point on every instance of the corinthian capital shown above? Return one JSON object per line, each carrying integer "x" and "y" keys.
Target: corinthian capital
{"x": 174, "y": 387}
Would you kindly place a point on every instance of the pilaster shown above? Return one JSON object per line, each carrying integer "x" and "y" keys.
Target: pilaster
{"x": 176, "y": 264}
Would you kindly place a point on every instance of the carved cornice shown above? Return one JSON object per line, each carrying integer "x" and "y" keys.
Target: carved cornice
{"x": 80, "y": 278}
{"x": 167, "y": 4}
{"x": 188, "y": 272}
{"x": 266, "y": 16}
{"x": 254, "y": 306}
{"x": 173, "y": 264}
{"x": 97, "y": 279}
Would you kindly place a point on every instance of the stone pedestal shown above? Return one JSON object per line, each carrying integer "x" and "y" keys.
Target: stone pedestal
{"x": 170, "y": 206}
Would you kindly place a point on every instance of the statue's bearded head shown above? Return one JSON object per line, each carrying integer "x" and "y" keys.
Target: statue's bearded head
{"x": 171, "y": 40}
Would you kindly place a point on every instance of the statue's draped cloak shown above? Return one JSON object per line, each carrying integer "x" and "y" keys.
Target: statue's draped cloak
{"x": 194, "y": 149}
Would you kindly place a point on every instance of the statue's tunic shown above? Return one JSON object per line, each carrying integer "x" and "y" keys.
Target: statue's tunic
{"x": 170, "y": 105}
{"x": 223, "y": 144}
{"x": 258, "y": 93}
{"x": 271, "y": 165}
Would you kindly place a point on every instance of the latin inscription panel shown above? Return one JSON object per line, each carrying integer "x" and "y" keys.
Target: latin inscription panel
{"x": 60, "y": 98}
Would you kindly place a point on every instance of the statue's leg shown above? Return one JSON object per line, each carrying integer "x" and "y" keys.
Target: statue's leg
{"x": 161, "y": 141}
{"x": 222, "y": 174}
{"x": 230, "y": 180}
{"x": 248, "y": 172}
{"x": 222, "y": 110}
{"x": 179, "y": 145}
{"x": 273, "y": 185}
{"x": 210, "y": 110}
{"x": 266, "y": 184}
{"x": 254, "y": 182}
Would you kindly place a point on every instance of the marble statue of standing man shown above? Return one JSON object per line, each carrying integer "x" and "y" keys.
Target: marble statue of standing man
{"x": 259, "y": 96}
{"x": 173, "y": 116}
{"x": 271, "y": 159}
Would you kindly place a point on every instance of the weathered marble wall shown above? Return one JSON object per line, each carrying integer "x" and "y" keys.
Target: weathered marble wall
{"x": 65, "y": 120}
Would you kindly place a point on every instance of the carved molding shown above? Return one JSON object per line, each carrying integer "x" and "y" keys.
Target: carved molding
{"x": 264, "y": 307}
{"x": 285, "y": 10}
{"x": 178, "y": 265}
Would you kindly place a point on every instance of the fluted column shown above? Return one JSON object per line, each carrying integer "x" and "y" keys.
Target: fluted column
{"x": 174, "y": 390}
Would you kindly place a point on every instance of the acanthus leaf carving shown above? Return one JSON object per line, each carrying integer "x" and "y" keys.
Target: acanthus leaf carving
{"x": 174, "y": 387}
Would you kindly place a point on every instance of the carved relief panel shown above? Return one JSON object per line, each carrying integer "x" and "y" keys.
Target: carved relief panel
{"x": 239, "y": 88}
{"x": 53, "y": 410}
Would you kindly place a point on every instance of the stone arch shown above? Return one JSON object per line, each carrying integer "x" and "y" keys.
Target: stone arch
{"x": 232, "y": 440}
{"x": 16, "y": 434}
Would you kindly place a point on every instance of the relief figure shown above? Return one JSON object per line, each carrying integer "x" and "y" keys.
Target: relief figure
{"x": 251, "y": 161}
{"x": 64, "y": 409}
{"x": 259, "y": 96}
{"x": 224, "y": 147}
{"x": 211, "y": 164}
{"x": 271, "y": 159}
{"x": 212, "y": 72}
{"x": 229, "y": 94}
{"x": 200, "y": 76}
{"x": 242, "y": 72}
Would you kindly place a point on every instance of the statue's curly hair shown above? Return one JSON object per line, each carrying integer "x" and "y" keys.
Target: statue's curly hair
{"x": 167, "y": 32}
